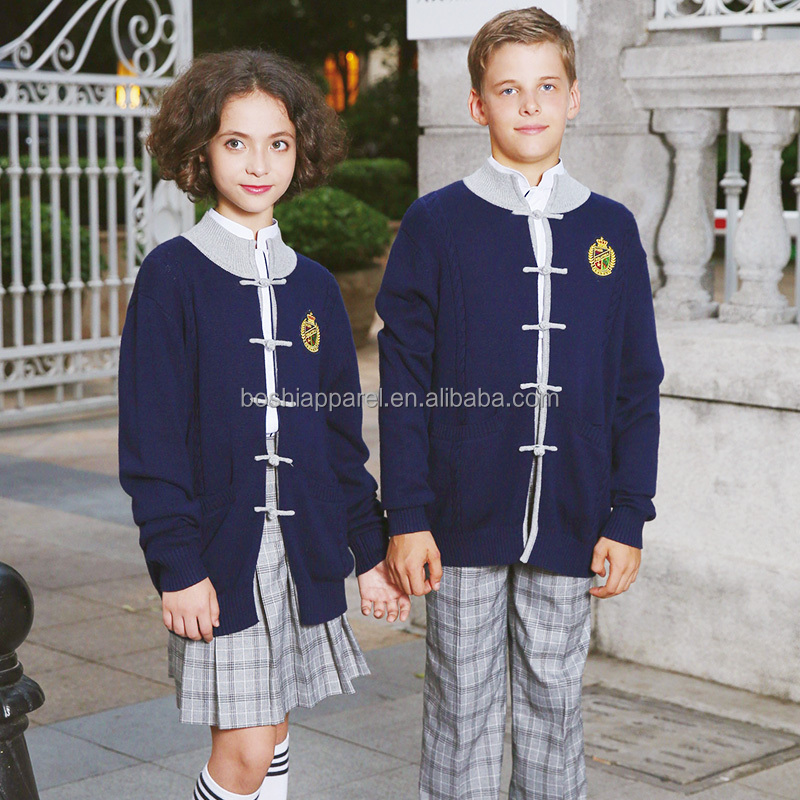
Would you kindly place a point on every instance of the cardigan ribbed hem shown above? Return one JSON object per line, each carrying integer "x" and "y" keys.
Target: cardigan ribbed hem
{"x": 369, "y": 549}
{"x": 407, "y": 520}
{"x": 625, "y": 526}
{"x": 184, "y": 569}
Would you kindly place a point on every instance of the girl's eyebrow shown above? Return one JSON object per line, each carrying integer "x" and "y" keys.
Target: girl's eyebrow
{"x": 247, "y": 136}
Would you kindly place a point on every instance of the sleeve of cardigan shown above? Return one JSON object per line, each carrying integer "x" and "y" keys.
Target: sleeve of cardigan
{"x": 407, "y": 303}
{"x": 348, "y": 453}
{"x": 635, "y": 428}
{"x": 155, "y": 401}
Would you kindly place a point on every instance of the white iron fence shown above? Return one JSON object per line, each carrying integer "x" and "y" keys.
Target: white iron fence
{"x": 76, "y": 198}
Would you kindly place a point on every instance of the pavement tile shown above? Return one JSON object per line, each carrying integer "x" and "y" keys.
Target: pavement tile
{"x": 49, "y": 566}
{"x": 782, "y": 781}
{"x": 107, "y": 637}
{"x": 61, "y": 608}
{"x": 135, "y": 592}
{"x": 89, "y": 688}
{"x": 319, "y": 762}
{"x": 736, "y": 791}
{"x": 150, "y": 664}
{"x": 60, "y": 488}
{"x": 38, "y": 659}
{"x": 147, "y": 731}
{"x": 58, "y": 758}
{"x": 395, "y": 784}
{"x": 133, "y": 783}
{"x": 392, "y": 727}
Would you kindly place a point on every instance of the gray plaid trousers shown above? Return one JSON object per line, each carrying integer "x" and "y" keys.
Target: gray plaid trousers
{"x": 478, "y": 616}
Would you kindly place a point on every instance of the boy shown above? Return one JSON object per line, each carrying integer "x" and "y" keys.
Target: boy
{"x": 521, "y": 301}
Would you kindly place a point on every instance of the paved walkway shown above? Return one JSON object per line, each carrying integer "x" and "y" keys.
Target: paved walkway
{"x": 108, "y": 728}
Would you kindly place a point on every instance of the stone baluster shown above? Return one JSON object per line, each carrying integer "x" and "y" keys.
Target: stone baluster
{"x": 762, "y": 245}
{"x": 686, "y": 238}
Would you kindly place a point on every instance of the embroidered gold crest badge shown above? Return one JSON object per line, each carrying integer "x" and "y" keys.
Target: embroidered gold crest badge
{"x": 309, "y": 332}
{"x": 602, "y": 257}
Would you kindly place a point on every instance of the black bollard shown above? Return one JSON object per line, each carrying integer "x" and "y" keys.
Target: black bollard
{"x": 19, "y": 695}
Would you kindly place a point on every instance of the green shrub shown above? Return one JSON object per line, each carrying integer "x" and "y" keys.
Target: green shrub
{"x": 334, "y": 228}
{"x": 26, "y": 235}
{"x": 383, "y": 183}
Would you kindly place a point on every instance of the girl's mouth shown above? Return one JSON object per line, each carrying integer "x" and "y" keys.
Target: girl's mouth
{"x": 256, "y": 189}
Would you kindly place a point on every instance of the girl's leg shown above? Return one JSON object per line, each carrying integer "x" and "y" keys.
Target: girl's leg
{"x": 240, "y": 758}
{"x": 276, "y": 783}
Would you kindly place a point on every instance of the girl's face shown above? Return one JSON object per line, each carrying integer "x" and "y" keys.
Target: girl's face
{"x": 251, "y": 158}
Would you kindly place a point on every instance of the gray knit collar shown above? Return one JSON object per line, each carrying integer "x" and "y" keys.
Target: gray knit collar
{"x": 503, "y": 189}
{"x": 237, "y": 255}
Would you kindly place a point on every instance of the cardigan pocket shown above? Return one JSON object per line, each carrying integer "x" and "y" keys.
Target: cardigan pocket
{"x": 324, "y": 538}
{"x": 589, "y": 477}
{"x": 214, "y": 508}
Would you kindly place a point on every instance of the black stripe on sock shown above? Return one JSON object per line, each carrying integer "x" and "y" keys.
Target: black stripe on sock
{"x": 283, "y": 771}
{"x": 279, "y": 760}
{"x": 201, "y": 784}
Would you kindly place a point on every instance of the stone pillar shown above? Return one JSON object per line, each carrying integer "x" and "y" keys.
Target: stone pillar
{"x": 686, "y": 236}
{"x": 762, "y": 245}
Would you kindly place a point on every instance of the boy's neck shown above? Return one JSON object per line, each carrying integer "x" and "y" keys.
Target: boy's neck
{"x": 533, "y": 172}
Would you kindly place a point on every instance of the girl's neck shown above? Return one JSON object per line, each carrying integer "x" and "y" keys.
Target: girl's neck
{"x": 255, "y": 222}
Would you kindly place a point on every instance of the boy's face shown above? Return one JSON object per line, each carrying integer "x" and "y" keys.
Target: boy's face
{"x": 526, "y": 101}
{"x": 251, "y": 158}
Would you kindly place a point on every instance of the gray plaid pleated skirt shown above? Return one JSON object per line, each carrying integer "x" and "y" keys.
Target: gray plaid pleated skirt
{"x": 256, "y": 676}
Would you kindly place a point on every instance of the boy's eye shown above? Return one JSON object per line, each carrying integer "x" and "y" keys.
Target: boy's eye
{"x": 548, "y": 86}
{"x": 508, "y": 90}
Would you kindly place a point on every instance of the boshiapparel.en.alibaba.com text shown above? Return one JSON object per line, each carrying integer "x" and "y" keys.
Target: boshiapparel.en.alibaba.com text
{"x": 442, "y": 398}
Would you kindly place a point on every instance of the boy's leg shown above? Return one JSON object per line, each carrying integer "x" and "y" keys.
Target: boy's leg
{"x": 465, "y": 685}
{"x": 550, "y": 626}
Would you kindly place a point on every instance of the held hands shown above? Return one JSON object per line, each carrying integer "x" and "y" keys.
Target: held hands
{"x": 377, "y": 589}
{"x": 192, "y": 612}
{"x": 406, "y": 559}
{"x": 624, "y": 561}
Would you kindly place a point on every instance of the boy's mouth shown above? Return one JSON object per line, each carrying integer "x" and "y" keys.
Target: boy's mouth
{"x": 256, "y": 189}
{"x": 531, "y": 129}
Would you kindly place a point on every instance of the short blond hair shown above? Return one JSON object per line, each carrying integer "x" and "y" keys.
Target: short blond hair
{"x": 519, "y": 26}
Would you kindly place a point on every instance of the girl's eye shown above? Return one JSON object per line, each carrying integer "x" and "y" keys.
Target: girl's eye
{"x": 280, "y": 145}
{"x": 234, "y": 144}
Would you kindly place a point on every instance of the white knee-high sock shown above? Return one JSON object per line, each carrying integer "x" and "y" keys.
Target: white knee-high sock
{"x": 207, "y": 788}
{"x": 276, "y": 783}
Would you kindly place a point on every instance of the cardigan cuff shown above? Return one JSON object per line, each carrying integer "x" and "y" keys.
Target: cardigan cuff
{"x": 369, "y": 549}
{"x": 407, "y": 520}
{"x": 625, "y": 526}
{"x": 183, "y": 570}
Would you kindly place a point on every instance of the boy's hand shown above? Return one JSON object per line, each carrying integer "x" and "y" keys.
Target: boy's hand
{"x": 192, "y": 612}
{"x": 624, "y": 561}
{"x": 376, "y": 588}
{"x": 406, "y": 558}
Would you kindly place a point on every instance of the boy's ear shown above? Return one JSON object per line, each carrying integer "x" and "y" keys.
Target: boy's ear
{"x": 476, "y": 109}
{"x": 574, "y": 101}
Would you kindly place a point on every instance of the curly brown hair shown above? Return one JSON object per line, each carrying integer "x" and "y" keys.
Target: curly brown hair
{"x": 191, "y": 107}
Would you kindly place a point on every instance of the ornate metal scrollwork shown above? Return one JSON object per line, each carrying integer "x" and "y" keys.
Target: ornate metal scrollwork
{"x": 145, "y": 43}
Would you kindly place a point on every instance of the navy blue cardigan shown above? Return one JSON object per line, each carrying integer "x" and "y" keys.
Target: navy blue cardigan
{"x": 457, "y": 291}
{"x": 188, "y": 444}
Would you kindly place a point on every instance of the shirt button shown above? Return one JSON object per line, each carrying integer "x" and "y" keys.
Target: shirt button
{"x": 537, "y": 214}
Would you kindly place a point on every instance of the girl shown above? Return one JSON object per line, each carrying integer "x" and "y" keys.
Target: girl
{"x": 238, "y": 445}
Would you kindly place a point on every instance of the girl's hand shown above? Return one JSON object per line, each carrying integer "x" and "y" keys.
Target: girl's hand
{"x": 192, "y": 612}
{"x": 377, "y": 589}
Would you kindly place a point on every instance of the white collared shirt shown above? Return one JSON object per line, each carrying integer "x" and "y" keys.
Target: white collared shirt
{"x": 262, "y": 264}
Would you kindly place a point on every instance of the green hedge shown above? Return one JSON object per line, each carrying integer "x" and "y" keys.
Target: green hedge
{"x": 47, "y": 246}
{"x": 387, "y": 184}
{"x": 333, "y": 227}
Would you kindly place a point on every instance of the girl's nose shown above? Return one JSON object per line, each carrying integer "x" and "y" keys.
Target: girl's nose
{"x": 258, "y": 164}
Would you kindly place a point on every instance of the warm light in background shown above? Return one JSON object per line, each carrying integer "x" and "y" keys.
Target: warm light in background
{"x": 135, "y": 94}
{"x": 347, "y": 64}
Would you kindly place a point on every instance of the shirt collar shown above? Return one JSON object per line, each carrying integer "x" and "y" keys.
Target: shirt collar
{"x": 545, "y": 184}
{"x": 243, "y": 232}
